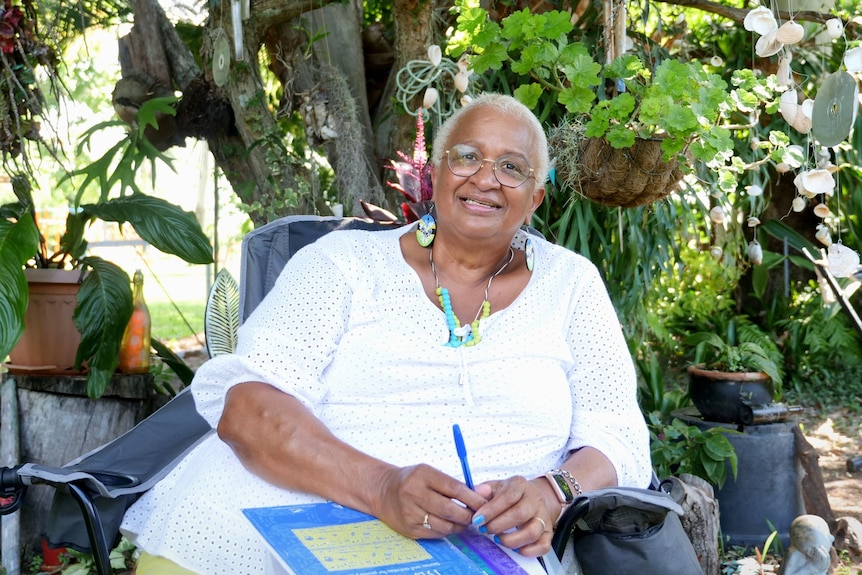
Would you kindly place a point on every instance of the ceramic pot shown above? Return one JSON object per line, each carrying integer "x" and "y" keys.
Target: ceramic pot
{"x": 719, "y": 395}
{"x": 50, "y": 340}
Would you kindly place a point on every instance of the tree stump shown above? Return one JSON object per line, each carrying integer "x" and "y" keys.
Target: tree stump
{"x": 701, "y": 520}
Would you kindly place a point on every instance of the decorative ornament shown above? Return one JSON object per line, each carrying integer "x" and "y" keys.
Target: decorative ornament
{"x": 221, "y": 59}
{"x": 790, "y": 33}
{"x": 784, "y": 74}
{"x": 812, "y": 183}
{"x": 717, "y": 215}
{"x": 755, "y": 253}
{"x": 788, "y": 105}
{"x": 798, "y": 204}
{"x": 821, "y": 211}
{"x": 753, "y": 222}
{"x": 426, "y": 230}
{"x": 760, "y": 20}
{"x": 835, "y": 108}
{"x": 835, "y": 28}
{"x": 823, "y": 235}
{"x": 435, "y": 55}
{"x": 754, "y": 190}
{"x": 767, "y": 45}
{"x": 430, "y": 98}
{"x": 530, "y": 253}
{"x": 853, "y": 59}
{"x": 843, "y": 261}
{"x": 236, "y": 20}
{"x": 716, "y": 252}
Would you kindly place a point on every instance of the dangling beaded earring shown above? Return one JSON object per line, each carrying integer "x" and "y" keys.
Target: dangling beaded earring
{"x": 427, "y": 229}
{"x": 530, "y": 253}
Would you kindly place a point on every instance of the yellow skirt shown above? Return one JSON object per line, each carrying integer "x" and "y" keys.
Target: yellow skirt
{"x": 155, "y": 565}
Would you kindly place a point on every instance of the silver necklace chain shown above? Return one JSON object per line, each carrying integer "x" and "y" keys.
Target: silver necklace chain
{"x": 490, "y": 279}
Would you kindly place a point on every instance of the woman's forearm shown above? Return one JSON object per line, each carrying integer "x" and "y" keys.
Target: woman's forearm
{"x": 275, "y": 437}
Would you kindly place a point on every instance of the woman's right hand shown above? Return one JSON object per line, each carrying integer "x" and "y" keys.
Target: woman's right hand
{"x": 407, "y": 494}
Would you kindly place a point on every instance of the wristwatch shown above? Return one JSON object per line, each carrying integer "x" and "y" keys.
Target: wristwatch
{"x": 562, "y": 483}
{"x": 561, "y": 489}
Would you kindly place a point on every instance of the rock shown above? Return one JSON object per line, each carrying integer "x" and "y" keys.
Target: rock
{"x": 848, "y": 535}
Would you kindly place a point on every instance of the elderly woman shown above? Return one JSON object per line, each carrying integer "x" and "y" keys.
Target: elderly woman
{"x": 349, "y": 376}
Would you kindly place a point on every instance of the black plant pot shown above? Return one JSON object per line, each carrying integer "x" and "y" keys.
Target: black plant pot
{"x": 719, "y": 395}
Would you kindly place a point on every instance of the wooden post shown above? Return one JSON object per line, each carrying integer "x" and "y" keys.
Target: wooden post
{"x": 10, "y": 525}
{"x": 813, "y": 489}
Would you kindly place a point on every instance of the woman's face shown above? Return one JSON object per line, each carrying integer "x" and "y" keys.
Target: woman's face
{"x": 479, "y": 205}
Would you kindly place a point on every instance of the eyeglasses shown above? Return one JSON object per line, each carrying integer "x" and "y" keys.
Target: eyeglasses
{"x": 510, "y": 170}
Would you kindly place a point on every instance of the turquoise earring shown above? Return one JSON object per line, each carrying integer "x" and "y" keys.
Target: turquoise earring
{"x": 427, "y": 230}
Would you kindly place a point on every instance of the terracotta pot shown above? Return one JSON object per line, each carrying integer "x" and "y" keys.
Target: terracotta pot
{"x": 719, "y": 395}
{"x": 50, "y": 340}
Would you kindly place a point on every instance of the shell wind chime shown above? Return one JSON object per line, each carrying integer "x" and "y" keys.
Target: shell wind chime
{"x": 827, "y": 120}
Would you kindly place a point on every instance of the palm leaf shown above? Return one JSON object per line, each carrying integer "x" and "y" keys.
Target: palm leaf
{"x": 221, "y": 320}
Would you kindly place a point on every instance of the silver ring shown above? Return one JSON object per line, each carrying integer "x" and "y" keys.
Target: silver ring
{"x": 425, "y": 523}
{"x": 542, "y": 521}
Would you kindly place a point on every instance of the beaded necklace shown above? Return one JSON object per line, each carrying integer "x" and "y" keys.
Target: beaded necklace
{"x": 467, "y": 334}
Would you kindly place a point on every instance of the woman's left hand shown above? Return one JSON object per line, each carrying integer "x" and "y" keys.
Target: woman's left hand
{"x": 520, "y": 512}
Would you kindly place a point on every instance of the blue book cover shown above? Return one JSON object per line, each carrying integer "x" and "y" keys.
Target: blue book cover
{"x": 327, "y": 538}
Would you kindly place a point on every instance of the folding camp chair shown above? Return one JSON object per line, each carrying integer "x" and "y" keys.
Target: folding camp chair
{"x": 94, "y": 491}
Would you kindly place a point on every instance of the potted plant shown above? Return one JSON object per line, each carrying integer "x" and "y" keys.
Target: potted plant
{"x": 726, "y": 377}
{"x": 104, "y": 300}
{"x": 657, "y": 111}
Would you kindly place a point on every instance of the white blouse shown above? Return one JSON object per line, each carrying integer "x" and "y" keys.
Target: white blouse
{"x": 349, "y": 331}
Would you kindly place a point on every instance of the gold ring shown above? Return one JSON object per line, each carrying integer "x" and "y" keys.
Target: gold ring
{"x": 542, "y": 521}
{"x": 425, "y": 523}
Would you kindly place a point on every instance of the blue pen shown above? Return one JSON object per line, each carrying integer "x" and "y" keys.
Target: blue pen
{"x": 462, "y": 455}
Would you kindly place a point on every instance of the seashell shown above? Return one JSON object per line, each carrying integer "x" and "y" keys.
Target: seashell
{"x": 717, "y": 215}
{"x": 717, "y": 61}
{"x": 760, "y": 20}
{"x": 802, "y": 123}
{"x": 798, "y": 204}
{"x": 462, "y": 80}
{"x": 782, "y": 167}
{"x": 465, "y": 99}
{"x": 821, "y": 211}
{"x": 843, "y": 261}
{"x": 767, "y": 45}
{"x": 435, "y": 55}
{"x": 755, "y": 253}
{"x": 716, "y": 252}
{"x": 463, "y": 64}
{"x": 790, "y": 33}
{"x": 834, "y": 27}
{"x": 754, "y": 191}
{"x": 788, "y": 105}
{"x": 807, "y": 107}
{"x": 823, "y": 235}
{"x": 784, "y": 74}
{"x": 818, "y": 181}
{"x": 853, "y": 59}
{"x": 753, "y": 222}
{"x": 430, "y": 98}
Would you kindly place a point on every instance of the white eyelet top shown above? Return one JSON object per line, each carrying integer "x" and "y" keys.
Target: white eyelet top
{"x": 349, "y": 331}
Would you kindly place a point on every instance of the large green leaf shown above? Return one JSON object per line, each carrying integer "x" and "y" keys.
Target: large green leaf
{"x": 18, "y": 243}
{"x": 162, "y": 224}
{"x": 103, "y": 311}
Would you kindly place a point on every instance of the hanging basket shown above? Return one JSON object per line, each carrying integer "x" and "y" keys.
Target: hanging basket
{"x": 626, "y": 177}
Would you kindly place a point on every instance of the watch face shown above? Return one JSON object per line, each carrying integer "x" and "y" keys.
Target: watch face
{"x": 564, "y": 487}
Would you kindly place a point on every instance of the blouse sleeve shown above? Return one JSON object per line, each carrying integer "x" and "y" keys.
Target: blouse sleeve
{"x": 606, "y": 414}
{"x": 288, "y": 340}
